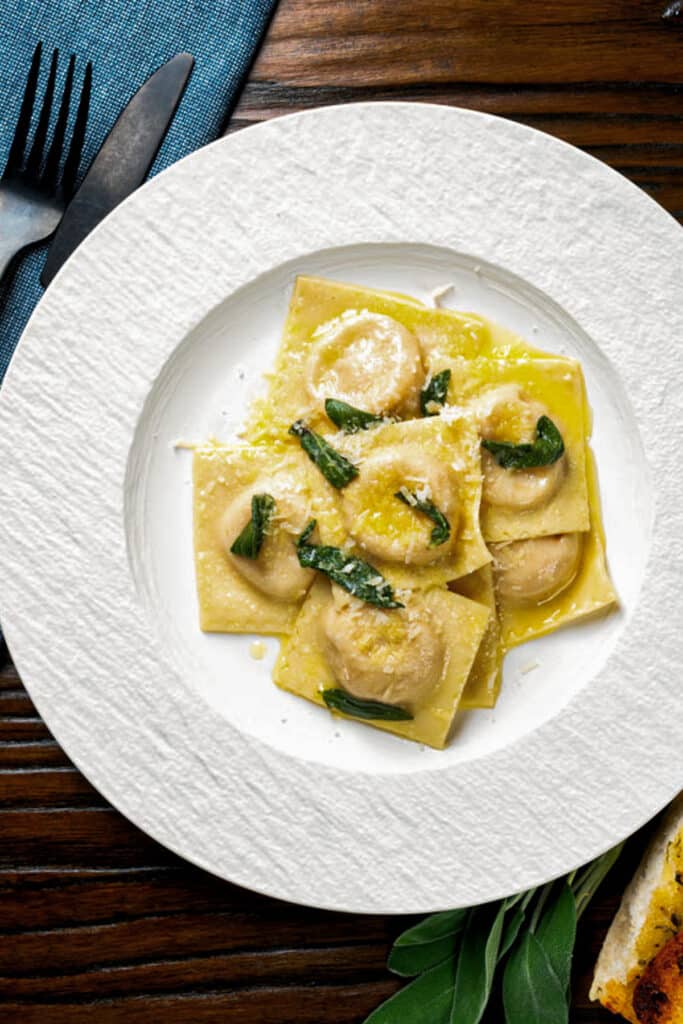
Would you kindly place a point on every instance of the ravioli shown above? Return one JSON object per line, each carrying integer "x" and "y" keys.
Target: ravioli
{"x": 527, "y": 503}
{"x": 396, "y": 456}
{"x": 590, "y": 592}
{"x": 317, "y": 309}
{"x": 486, "y": 676}
{"x": 228, "y": 601}
{"x": 399, "y": 527}
{"x": 303, "y": 667}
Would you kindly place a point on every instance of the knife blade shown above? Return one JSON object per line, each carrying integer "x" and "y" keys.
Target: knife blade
{"x": 123, "y": 160}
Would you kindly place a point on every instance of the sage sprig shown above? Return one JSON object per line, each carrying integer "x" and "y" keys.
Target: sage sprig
{"x": 434, "y": 393}
{"x": 546, "y": 449}
{"x": 352, "y": 574}
{"x": 372, "y": 710}
{"x": 522, "y": 945}
{"x": 442, "y": 528}
{"x": 336, "y": 469}
{"x": 249, "y": 542}
{"x": 348, "y": 418}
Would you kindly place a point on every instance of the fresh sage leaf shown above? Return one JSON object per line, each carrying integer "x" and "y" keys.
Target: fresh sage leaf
{"x": 532, "y": 992}
{"x": 434, "y": 393}
{"x": 374, "y": 710}
{"x": 546, "y": 449}
{"x": 512, "y": 930}
{"x": 427, "y": 943}
{"x": 359, "y": 578}
{"x": 436, "y": 926}
{"x": 588, "y": 881}
{"x": 556, "y": 932}
{"x": 336, "y": 469}
{"x": 248, "y": 544}
{"x": 348, "y": 418}
{"x": 425, "y": 1000}
{"x": 442, "y": 528}
{"x": 477, "y": 963}
{"x": 407, "y": 961}
{"x": 512, "y": 901}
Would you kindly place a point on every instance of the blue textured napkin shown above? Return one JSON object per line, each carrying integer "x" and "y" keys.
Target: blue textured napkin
{"x": 126, "y": 40}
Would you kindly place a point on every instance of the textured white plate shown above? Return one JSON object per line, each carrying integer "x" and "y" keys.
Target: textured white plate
{"x": 157, "y": 330}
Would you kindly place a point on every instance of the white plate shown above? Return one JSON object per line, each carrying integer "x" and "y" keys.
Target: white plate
{"x": 158, "y": 328}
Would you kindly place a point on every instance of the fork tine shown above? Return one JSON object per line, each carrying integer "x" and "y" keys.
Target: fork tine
{"x": 16, "y": 153}
{"x": 73, "y": 156}
{"x": 36, "y": 155}
{"x": 50, "y": 174}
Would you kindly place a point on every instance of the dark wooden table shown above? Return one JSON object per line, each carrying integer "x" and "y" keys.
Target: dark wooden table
{"x": 99, "y": 923}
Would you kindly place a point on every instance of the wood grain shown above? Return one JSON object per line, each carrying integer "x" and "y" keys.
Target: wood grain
{"x": 99, "y": 923}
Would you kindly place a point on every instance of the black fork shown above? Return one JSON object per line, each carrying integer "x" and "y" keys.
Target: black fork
{"x": 39, "y": 179}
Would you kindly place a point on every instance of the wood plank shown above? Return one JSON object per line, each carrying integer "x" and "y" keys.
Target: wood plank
{"x": 381, "y": 42}
{"x": 47, "y": 787}
{"x": 98, "y": 836}
{"x": 261, "y": 100}
{"x": 18, "y": 754}
{"x": 24, "y": 729}
{"x": 16, "y": 702}
{"x": 156, "y": 938}
{"x": 51, "y": 900}
{"x": 350, "y": 964}
{"x": 314, "y": 1004}
{"x": 9, "y": 677}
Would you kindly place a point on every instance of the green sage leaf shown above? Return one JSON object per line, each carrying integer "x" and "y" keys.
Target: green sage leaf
{"x": 425, "y": 1000}
{"x": 442, "y": 528}
{"x": 512, "y": 929}
{"x": 336, "y": 469}
{"x": 373, "y": 710}
{"x": 477, "y": 963}
{"x": 556, "y": 932}
{"x": 546, "y": 449}
{"x": 589, "y": 880}
{"x": 434, "y": 393}
{"x": 354, "y": 575}
{"x": 427, "y": 943}
{"x": 248, "y": 544}
{"x": 348, "y": 418}
{"x": 532, "y": 992}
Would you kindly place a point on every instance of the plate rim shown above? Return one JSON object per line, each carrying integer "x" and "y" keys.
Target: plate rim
{"x": 79, "y": 269}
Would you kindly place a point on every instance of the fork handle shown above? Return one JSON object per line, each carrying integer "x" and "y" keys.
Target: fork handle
{"x": 23, "y": 222}
{"x": 8, "y": 250}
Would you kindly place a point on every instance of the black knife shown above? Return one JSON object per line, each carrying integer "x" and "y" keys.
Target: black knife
{"x": 124, "y": 159}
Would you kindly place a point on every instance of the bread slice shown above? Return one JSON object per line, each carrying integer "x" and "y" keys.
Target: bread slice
{"x": 650, "y": 915}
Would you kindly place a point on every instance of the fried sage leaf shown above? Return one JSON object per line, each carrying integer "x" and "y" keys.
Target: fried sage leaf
{"x": 348, "y": 418}
{"x": 442, "y": 528}
{"x": 359, "y": 578}
{"x": 336, "y": 469}
{"x": 434, "y": 393}
{"x": 374, "y": 710}
{"x": 248, "y": 543}
{"x": 546, "y": 449}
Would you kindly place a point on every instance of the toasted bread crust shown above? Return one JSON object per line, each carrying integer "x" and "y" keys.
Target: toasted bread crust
{"x": 658, "y": 996}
